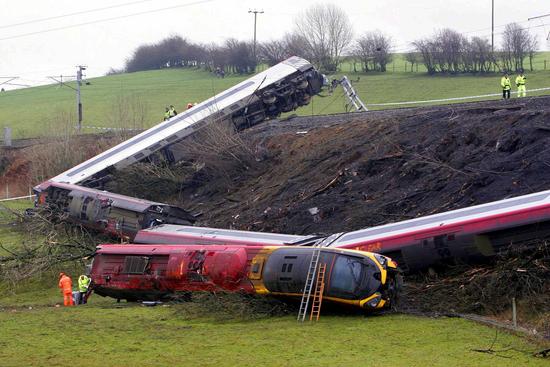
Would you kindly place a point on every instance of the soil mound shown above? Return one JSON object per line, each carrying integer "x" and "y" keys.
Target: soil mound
{"x": 336, "y": 173}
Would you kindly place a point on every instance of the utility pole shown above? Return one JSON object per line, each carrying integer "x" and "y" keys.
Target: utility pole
{"x": 493, "y": 26}
{"x": 78, "y": 100}
{"x": 255, "y": 12}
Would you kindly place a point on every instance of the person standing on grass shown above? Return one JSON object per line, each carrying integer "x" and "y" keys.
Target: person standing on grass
{"x": 83, "y": 285}
{"x": 66, "y": 286}
{"x": 520, "y": 83}
{"x": 506, "y": 86}
{"x": 173, "y": 111}
{"x": 167, "y": 114}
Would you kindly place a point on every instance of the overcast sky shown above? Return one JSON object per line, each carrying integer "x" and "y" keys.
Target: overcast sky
{"x": 104, "y": 44}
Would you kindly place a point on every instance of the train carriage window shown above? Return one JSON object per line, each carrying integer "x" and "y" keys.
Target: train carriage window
{"x": 346, "y": 275}
{"x": 135, "y": 264}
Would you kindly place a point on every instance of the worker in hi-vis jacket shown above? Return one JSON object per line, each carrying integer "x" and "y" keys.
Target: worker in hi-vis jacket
{"x": 506, "y": 86}
{"x": 66, "y": 285}
{"x": 520, "y": 83}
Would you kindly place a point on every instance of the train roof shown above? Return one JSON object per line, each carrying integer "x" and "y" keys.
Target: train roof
{"x": 172, "y": 233}
{"x": 478, "y": 212}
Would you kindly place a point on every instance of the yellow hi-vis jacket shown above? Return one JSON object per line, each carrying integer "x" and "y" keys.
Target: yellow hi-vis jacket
{"x": 520, "y": 80}
{"x": 83, "y": 283}
{"x": 505, "y": 83}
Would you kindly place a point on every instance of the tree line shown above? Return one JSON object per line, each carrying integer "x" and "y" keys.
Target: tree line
{"x": 449, "y": 51}
{"x": 323, "y": 35}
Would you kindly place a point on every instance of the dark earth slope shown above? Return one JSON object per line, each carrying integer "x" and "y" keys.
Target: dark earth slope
{"x": 359, "y": 170}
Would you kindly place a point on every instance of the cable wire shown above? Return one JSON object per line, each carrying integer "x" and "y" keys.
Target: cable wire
{"x": 71, "y": 14}
{"x": 107, "y": 19}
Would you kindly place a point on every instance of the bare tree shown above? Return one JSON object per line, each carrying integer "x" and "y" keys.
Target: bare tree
{"x": 327, "y": 32}
{"x": 479, "y": 54}
{"x": 240, "y": 56}
{"x": 532, "y": 48}
{"x": 217, "y": 57}
{"x": 448, "y": 51}
{"x": 413, "y": 58}
{"x": 426, "y": 48}
{"x": 450, "y": 47}
{"x": 170, "y": 52}
{"x": 517, "y": 44}
{"x": 374, "y": 51}
{"x": 296, "y": 45}
{"x": 273, "y": 52}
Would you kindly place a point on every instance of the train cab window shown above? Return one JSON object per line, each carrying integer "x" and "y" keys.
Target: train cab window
{"x": 346, "y": 276}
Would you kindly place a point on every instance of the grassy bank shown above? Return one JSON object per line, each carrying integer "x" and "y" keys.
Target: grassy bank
{"x": 138, "y": 99}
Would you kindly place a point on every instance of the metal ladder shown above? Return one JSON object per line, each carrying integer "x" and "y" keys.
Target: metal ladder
{"x": 318, "y": 294}
{"x": 308, "y": 287}
{"x": 352, "y": 95}
{"x": 312, "y": 273}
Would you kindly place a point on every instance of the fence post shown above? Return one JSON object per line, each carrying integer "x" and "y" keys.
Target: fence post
{"x": 514, "y": 315}
{"x": 7, "y": 136}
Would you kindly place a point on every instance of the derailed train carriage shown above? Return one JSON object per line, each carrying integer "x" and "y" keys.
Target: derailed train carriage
{"x": 161, "y": 272}
{"x": 468, "y": 234}
{"x": 281, "y": 88}
{"x": 117, "y": 215}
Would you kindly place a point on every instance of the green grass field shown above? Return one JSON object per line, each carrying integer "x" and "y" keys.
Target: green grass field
{"x": 109, "y": 100}
{"x": 132, "y": 335}
{"x": 34, "y": 332}
{"x": 8, "y": 237}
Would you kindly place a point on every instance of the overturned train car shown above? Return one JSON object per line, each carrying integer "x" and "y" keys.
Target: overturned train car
{"x": 281, "y": 88}
{"x": 160, "y": 272}
{"x": 466, "y": 234}
{"x": 117, "y": 215}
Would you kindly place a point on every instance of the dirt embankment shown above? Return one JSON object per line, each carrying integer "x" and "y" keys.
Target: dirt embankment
{"x": 31, "y": 161}
{"x": 345, "y": 172}
{"x": 341, "y": 172}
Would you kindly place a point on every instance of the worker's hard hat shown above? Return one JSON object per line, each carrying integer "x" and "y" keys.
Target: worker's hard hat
{"x": 61, "y": 274}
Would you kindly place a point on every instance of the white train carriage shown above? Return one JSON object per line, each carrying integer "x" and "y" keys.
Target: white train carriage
{"x": 281, "y": 88}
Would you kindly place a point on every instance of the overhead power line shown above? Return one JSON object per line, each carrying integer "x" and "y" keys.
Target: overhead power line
{"x": 540, "y": 16}
{"x": 107, "y": 19}
{"x": 72, "y": 14}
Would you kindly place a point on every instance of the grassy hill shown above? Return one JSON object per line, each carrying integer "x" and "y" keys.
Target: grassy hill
{"x": 138, "y": 99}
